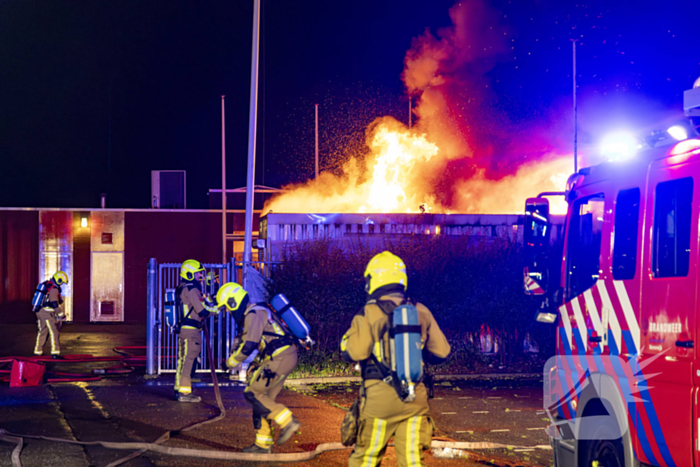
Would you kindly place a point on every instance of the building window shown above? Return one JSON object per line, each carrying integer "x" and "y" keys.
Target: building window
{"x": 583, "y": 245}
{"x": 671, "y": 231}
{"x": 106, "y": 238}
{"x": 626, "y": 228}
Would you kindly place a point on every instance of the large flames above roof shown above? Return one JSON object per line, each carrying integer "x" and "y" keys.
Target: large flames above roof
{"x": 464, "y": 155}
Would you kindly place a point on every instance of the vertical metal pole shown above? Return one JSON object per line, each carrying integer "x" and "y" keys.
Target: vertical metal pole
{"x": 151, "y": 310}
{"x": 575, "y": 113}
{"x": 252, "y": 128}
{"x": 223, "y": 180}
{"x": 159, "y": 361}
{"x": 219, "y": 334}
{"x": 410, "y": 111}
{"x": 228, "y": 332}
{"x": 316, "y": 141}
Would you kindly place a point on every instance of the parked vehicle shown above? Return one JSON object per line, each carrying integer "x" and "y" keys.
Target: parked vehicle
{"x": 622, "y": 290}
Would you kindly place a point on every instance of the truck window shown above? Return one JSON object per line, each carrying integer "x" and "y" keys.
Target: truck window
{"x": 626, "y": 228}
{"x": 671, "y": 231}
{"x": 583, "y": 246}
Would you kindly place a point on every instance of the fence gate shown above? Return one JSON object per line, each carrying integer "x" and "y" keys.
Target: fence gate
{"x": 162, "y": 345}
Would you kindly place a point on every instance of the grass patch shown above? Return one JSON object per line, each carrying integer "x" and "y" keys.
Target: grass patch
{"x": 318, "y": 364}
{"x": 462, "y": 360}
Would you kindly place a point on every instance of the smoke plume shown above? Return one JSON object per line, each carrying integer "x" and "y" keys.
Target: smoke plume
{"x": 462, "y": 155}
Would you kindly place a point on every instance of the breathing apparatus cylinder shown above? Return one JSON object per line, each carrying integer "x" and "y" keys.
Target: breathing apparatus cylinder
{"x": 292, "y": 318}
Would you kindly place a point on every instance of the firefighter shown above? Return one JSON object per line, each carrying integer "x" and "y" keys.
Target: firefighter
{"x": 383, "y": 413}
{"x": 50, "y": 317}
{"x": 277, "y": 358}
{"x": 194, "y": 312}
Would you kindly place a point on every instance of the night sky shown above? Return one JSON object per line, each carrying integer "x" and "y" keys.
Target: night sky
{"x": 96, "y": 94}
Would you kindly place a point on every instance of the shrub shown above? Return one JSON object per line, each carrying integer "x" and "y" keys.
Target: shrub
{"x": 467, "y": 283}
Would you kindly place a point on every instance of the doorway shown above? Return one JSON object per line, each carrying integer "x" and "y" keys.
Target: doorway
{"x": 107, "y": 287}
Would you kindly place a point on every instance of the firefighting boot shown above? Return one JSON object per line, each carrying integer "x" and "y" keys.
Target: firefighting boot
{"x": 255, "y": 449}
{"x": 288, "y": 431}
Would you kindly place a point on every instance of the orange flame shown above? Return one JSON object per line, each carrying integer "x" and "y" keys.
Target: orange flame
{"x": 395, "y": 181}
{"x": 390, "y": 182}
{"x": 507, "y": 195}
{"x": 397, "y": 154}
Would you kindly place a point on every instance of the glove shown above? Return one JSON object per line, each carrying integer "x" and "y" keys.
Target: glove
{"x": 210, "y": 304}
{"x": 232, "y": 364}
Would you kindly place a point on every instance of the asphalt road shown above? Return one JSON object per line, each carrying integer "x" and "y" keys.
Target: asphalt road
{"x": 503, "y": 410}
{"x": 137, "y": 408}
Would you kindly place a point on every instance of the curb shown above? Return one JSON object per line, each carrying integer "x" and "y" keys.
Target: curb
{"x": 348, "y": 379}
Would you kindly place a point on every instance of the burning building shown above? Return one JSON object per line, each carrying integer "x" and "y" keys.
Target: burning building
{"x": 280, "y": 231}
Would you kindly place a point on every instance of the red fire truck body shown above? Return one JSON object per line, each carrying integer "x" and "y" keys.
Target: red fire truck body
{"x": 626, "y": 303}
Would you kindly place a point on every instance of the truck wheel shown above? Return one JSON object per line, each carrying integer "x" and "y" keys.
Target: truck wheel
{"x": 606, "y": 453}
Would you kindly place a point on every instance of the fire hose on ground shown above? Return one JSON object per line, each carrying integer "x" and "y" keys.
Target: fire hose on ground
{"x": 156, "y": 446}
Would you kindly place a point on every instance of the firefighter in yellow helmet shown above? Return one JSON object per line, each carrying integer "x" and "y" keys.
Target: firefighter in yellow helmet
{"x": 277, "y": 355}
{"x": 194, "y": 310}
{"x": 383, "y": 413}
{"x": 50, "y": 315}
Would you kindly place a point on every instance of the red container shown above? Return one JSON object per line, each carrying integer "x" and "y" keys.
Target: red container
{"x": 26, "y": 373}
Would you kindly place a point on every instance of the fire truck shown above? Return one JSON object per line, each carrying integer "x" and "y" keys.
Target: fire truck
{"x": 620, "y": 283}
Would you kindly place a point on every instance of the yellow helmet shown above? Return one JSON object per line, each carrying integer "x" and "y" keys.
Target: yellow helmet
{"x": 385, "y": 269}
{"x": 60, "y": 278}
{"x": 231, "y": 295}
{"x": 235, "y": 299}
{"x": 189, "y": 268}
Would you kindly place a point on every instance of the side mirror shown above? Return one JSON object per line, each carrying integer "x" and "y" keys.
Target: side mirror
{"x": 536, "y": 246}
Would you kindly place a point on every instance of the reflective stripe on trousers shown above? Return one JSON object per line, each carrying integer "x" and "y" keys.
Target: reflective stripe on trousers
{"x": 47, "y": 329}
{"x": 376, "y": 443}
{"x": 384, "y": 415}
{"x": 189, "y": 347}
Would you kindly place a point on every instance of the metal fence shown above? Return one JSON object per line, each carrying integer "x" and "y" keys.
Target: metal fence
{"x": 162, "y": 343}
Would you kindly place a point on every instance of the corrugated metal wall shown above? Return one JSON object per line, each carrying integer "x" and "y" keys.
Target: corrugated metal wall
{"x": 169, "y": 236}
{"x": 284, "y": 229}
{"x": 19, "y": 257}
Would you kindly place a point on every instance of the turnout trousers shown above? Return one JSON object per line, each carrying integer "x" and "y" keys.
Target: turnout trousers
{"x": 48, "y": 328}
{"x": 384, "y": 415}
{"x": 264, "y": 386}
{"x": 189, "y": 343}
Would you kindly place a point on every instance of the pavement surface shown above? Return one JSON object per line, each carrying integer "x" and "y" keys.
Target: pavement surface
{"x": 136, "y": 407}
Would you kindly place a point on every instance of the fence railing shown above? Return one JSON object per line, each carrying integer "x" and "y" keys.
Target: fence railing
{"x": 162, "y": 343}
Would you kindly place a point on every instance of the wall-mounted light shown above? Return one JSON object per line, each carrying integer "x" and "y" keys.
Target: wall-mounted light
{"x": 84, "y": 222}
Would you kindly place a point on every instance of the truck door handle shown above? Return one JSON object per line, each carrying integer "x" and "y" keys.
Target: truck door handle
{"x": 685, "y": 344}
